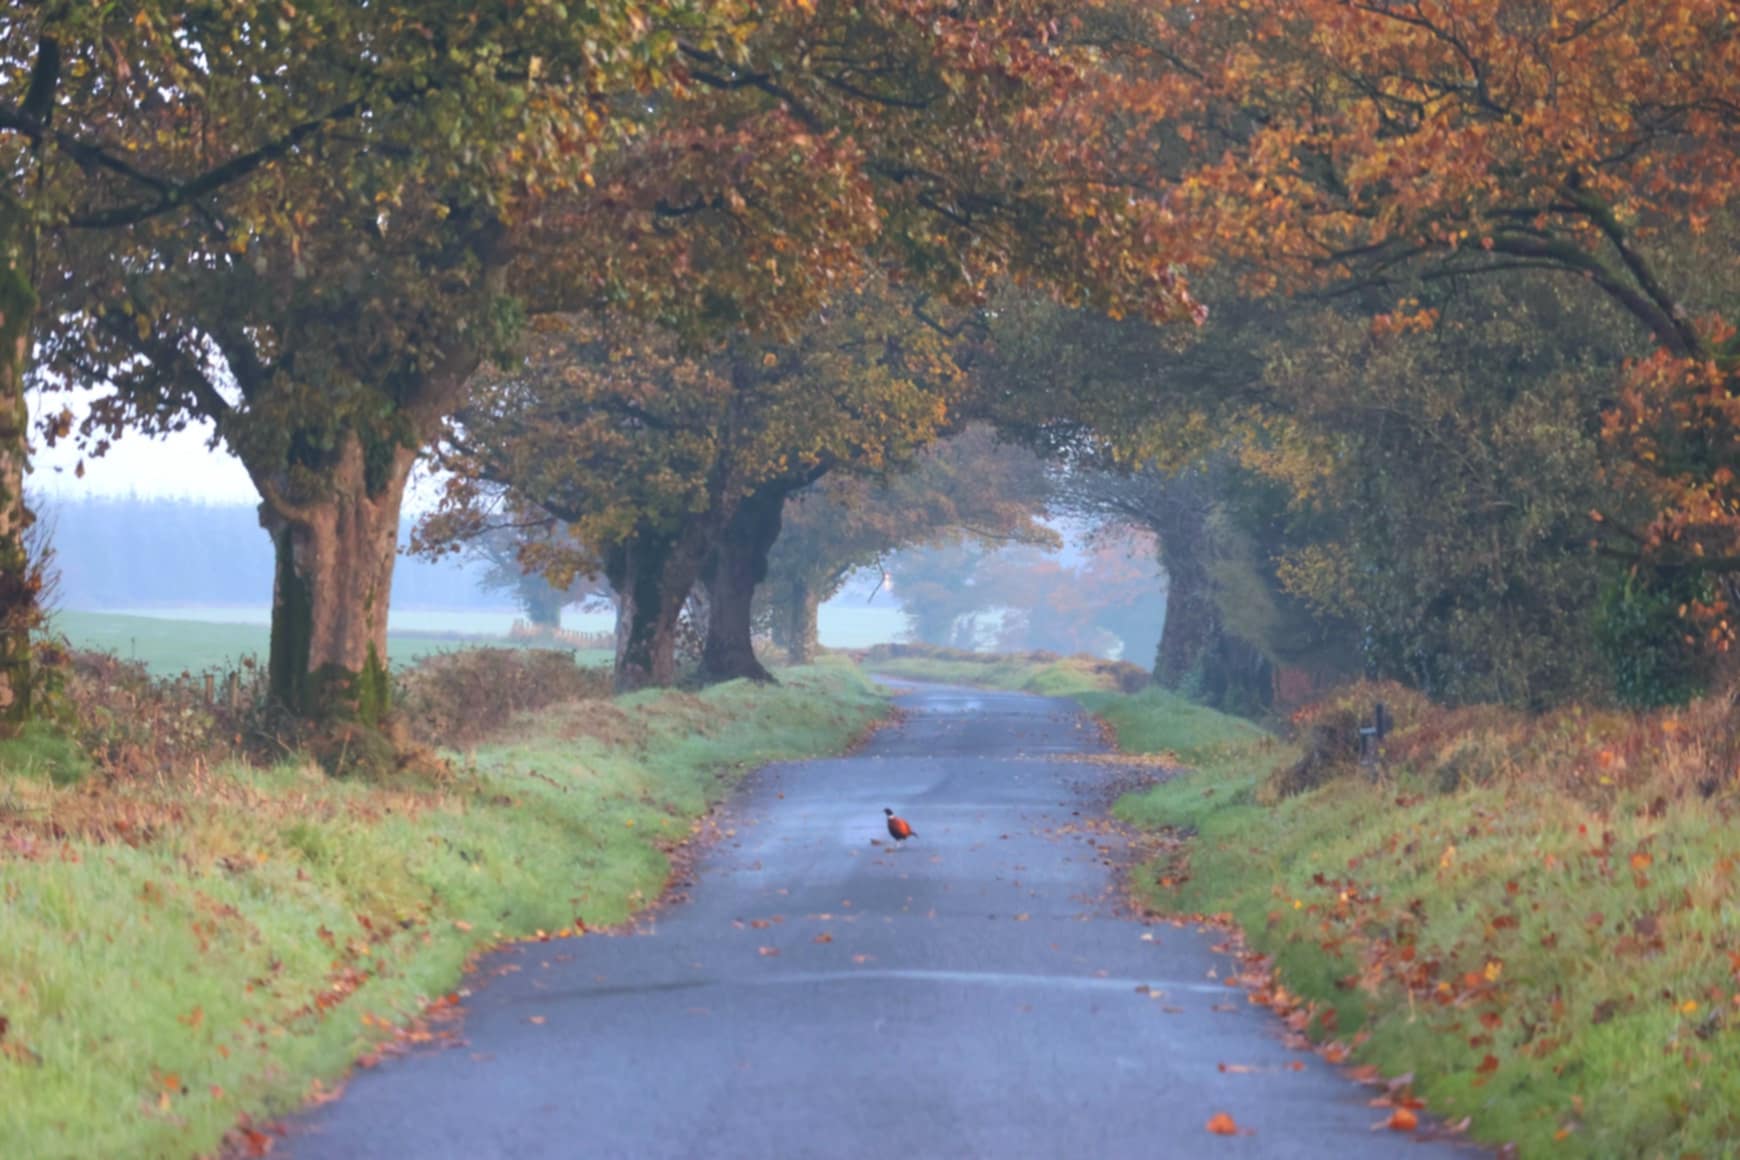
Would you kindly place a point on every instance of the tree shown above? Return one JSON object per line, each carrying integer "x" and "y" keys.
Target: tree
{"x": 516, "y": 556}
{"x": 937, "y": 587}
{"x": 1110, "y": 602}
{"x": 1446, "y": 468}
{"x": 954, "y": 146}
{"x": 673, "y": 466}
{"x": 327, "y": 321}
{"x": 1026, "y": 596}
{"x": 1342, "y": 144}
{"x": 123, "y": 120}
{"x": 1474, "y": 137}
{"x": 967, "y": 487}
{"x": 768, "y": 166}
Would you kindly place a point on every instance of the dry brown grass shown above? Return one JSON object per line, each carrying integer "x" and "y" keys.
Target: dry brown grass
{"x": 459, "y": 699}
{"x": 1594, "y": 756}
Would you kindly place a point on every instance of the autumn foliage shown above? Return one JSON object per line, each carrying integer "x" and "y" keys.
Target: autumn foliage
{"x": 1345, "y": 145}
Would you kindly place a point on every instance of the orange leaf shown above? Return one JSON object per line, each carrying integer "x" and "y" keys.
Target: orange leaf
{"x": 1641, "y": 860}
{"x": 1221, "y": 1124}
{"x": 1403, "y": 1120}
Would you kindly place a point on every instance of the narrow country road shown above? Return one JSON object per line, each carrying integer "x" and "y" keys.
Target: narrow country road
{"x": 973, "y": 994}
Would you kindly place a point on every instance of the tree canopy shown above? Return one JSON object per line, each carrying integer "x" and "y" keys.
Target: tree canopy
{"x": 658, "y": 457}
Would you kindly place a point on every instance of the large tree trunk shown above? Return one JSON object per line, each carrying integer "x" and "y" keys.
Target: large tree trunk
{"x": 737, "y": 565}
{"x": 334, "y": 583}
{"x": 20, "y": 580}
{"x": 1191, "y": 632}
{"x": 652, "y": 575}
{"x": 799, "y": 613}
{"x": 1197, "y": 655}
{"x": 1192, "y": 626}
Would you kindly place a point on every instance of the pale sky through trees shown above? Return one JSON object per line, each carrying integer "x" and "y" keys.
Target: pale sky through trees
{"x": 179, "y": 466}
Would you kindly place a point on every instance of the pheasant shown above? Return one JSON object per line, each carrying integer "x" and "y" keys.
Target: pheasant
{"x": 899, "y": 828}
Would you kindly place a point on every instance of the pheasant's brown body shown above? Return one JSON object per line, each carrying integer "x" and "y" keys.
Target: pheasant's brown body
{"x": 899, "y": 828}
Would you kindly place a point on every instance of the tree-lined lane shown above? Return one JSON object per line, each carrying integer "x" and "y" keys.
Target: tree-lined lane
{"x": 974, "y": 993}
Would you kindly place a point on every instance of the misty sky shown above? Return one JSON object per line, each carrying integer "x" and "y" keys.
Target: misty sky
{"x": 178, "y": 466}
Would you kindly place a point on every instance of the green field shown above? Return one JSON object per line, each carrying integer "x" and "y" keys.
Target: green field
{"x": 169, "y": 646}
{"x": 195, "y": 639}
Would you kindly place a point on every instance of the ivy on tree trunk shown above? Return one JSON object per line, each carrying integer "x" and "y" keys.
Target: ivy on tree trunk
{"x": 1197, "y": 655}
{"x": 20, "y": 580}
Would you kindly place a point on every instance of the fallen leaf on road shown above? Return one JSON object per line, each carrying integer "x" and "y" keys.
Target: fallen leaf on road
{"x": 824, "y": 937}
{"x": 767, "y": 952}
{"x": 536, "y": 1019}
{"x": 1221, "y": 1124}
{"x": 256, "y": 1142}
{"x": 1402, "y": 1120}
{"x": 1237, "y": 1068}
{"x": 1022, "y": 917}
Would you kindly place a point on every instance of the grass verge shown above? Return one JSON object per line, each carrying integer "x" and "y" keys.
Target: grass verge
{"x": 177, "y": 955}
{"x": 1531, "y": 916}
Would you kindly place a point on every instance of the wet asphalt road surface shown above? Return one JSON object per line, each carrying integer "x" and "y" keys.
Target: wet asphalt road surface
{"x": 976, "y": 996}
